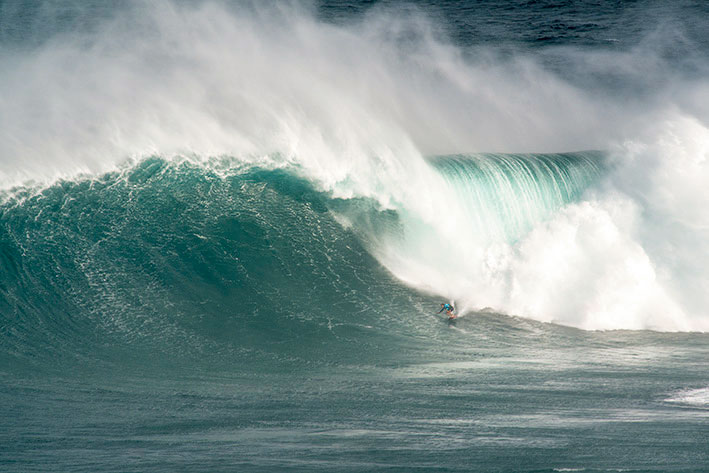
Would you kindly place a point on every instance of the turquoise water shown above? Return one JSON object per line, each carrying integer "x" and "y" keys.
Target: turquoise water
{"x": 506, "y": 195}
{"x": 226, "y": 232}
{"x": 168, "y": 317}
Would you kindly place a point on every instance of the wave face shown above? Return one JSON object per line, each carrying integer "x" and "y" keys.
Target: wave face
{"x": 180, "y": 256}
{"x": 175, "y": 258}
{"x": 353, "y": 111}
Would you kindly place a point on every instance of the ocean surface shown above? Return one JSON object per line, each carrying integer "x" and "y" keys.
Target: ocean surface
{"x": 226, "y": 230}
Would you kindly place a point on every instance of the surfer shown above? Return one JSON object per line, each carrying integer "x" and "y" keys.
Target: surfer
{"x": 449, "y": 310}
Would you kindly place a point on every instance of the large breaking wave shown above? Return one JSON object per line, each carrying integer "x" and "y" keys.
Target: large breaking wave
{"x": 268, "y": 106}
{"x": 188, "y": 259}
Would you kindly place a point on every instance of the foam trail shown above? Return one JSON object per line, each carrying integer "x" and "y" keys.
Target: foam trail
{"x": 696, "y": 397}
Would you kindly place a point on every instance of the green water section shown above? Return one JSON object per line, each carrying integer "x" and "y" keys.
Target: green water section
{"x": 505, "y": 195}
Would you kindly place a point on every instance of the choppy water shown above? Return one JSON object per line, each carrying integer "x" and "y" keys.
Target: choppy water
{"x": 226, "y": 231}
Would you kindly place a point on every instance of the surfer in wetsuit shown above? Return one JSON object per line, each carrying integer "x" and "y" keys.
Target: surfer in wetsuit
{"x": 449, "y": 310}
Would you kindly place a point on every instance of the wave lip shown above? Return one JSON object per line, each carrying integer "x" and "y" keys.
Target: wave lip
{"x": 505, "y": 195}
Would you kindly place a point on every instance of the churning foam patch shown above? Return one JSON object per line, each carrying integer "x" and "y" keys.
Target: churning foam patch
{"x": 631, "y": 254}
{"x": 694, "y": 397}
{"x": 583, "y": 268}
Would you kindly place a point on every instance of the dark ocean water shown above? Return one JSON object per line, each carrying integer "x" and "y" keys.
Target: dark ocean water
{"x": 226, "y": 231}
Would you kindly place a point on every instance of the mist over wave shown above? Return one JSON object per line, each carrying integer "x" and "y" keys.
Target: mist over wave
{"x": 358, "y": 109}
